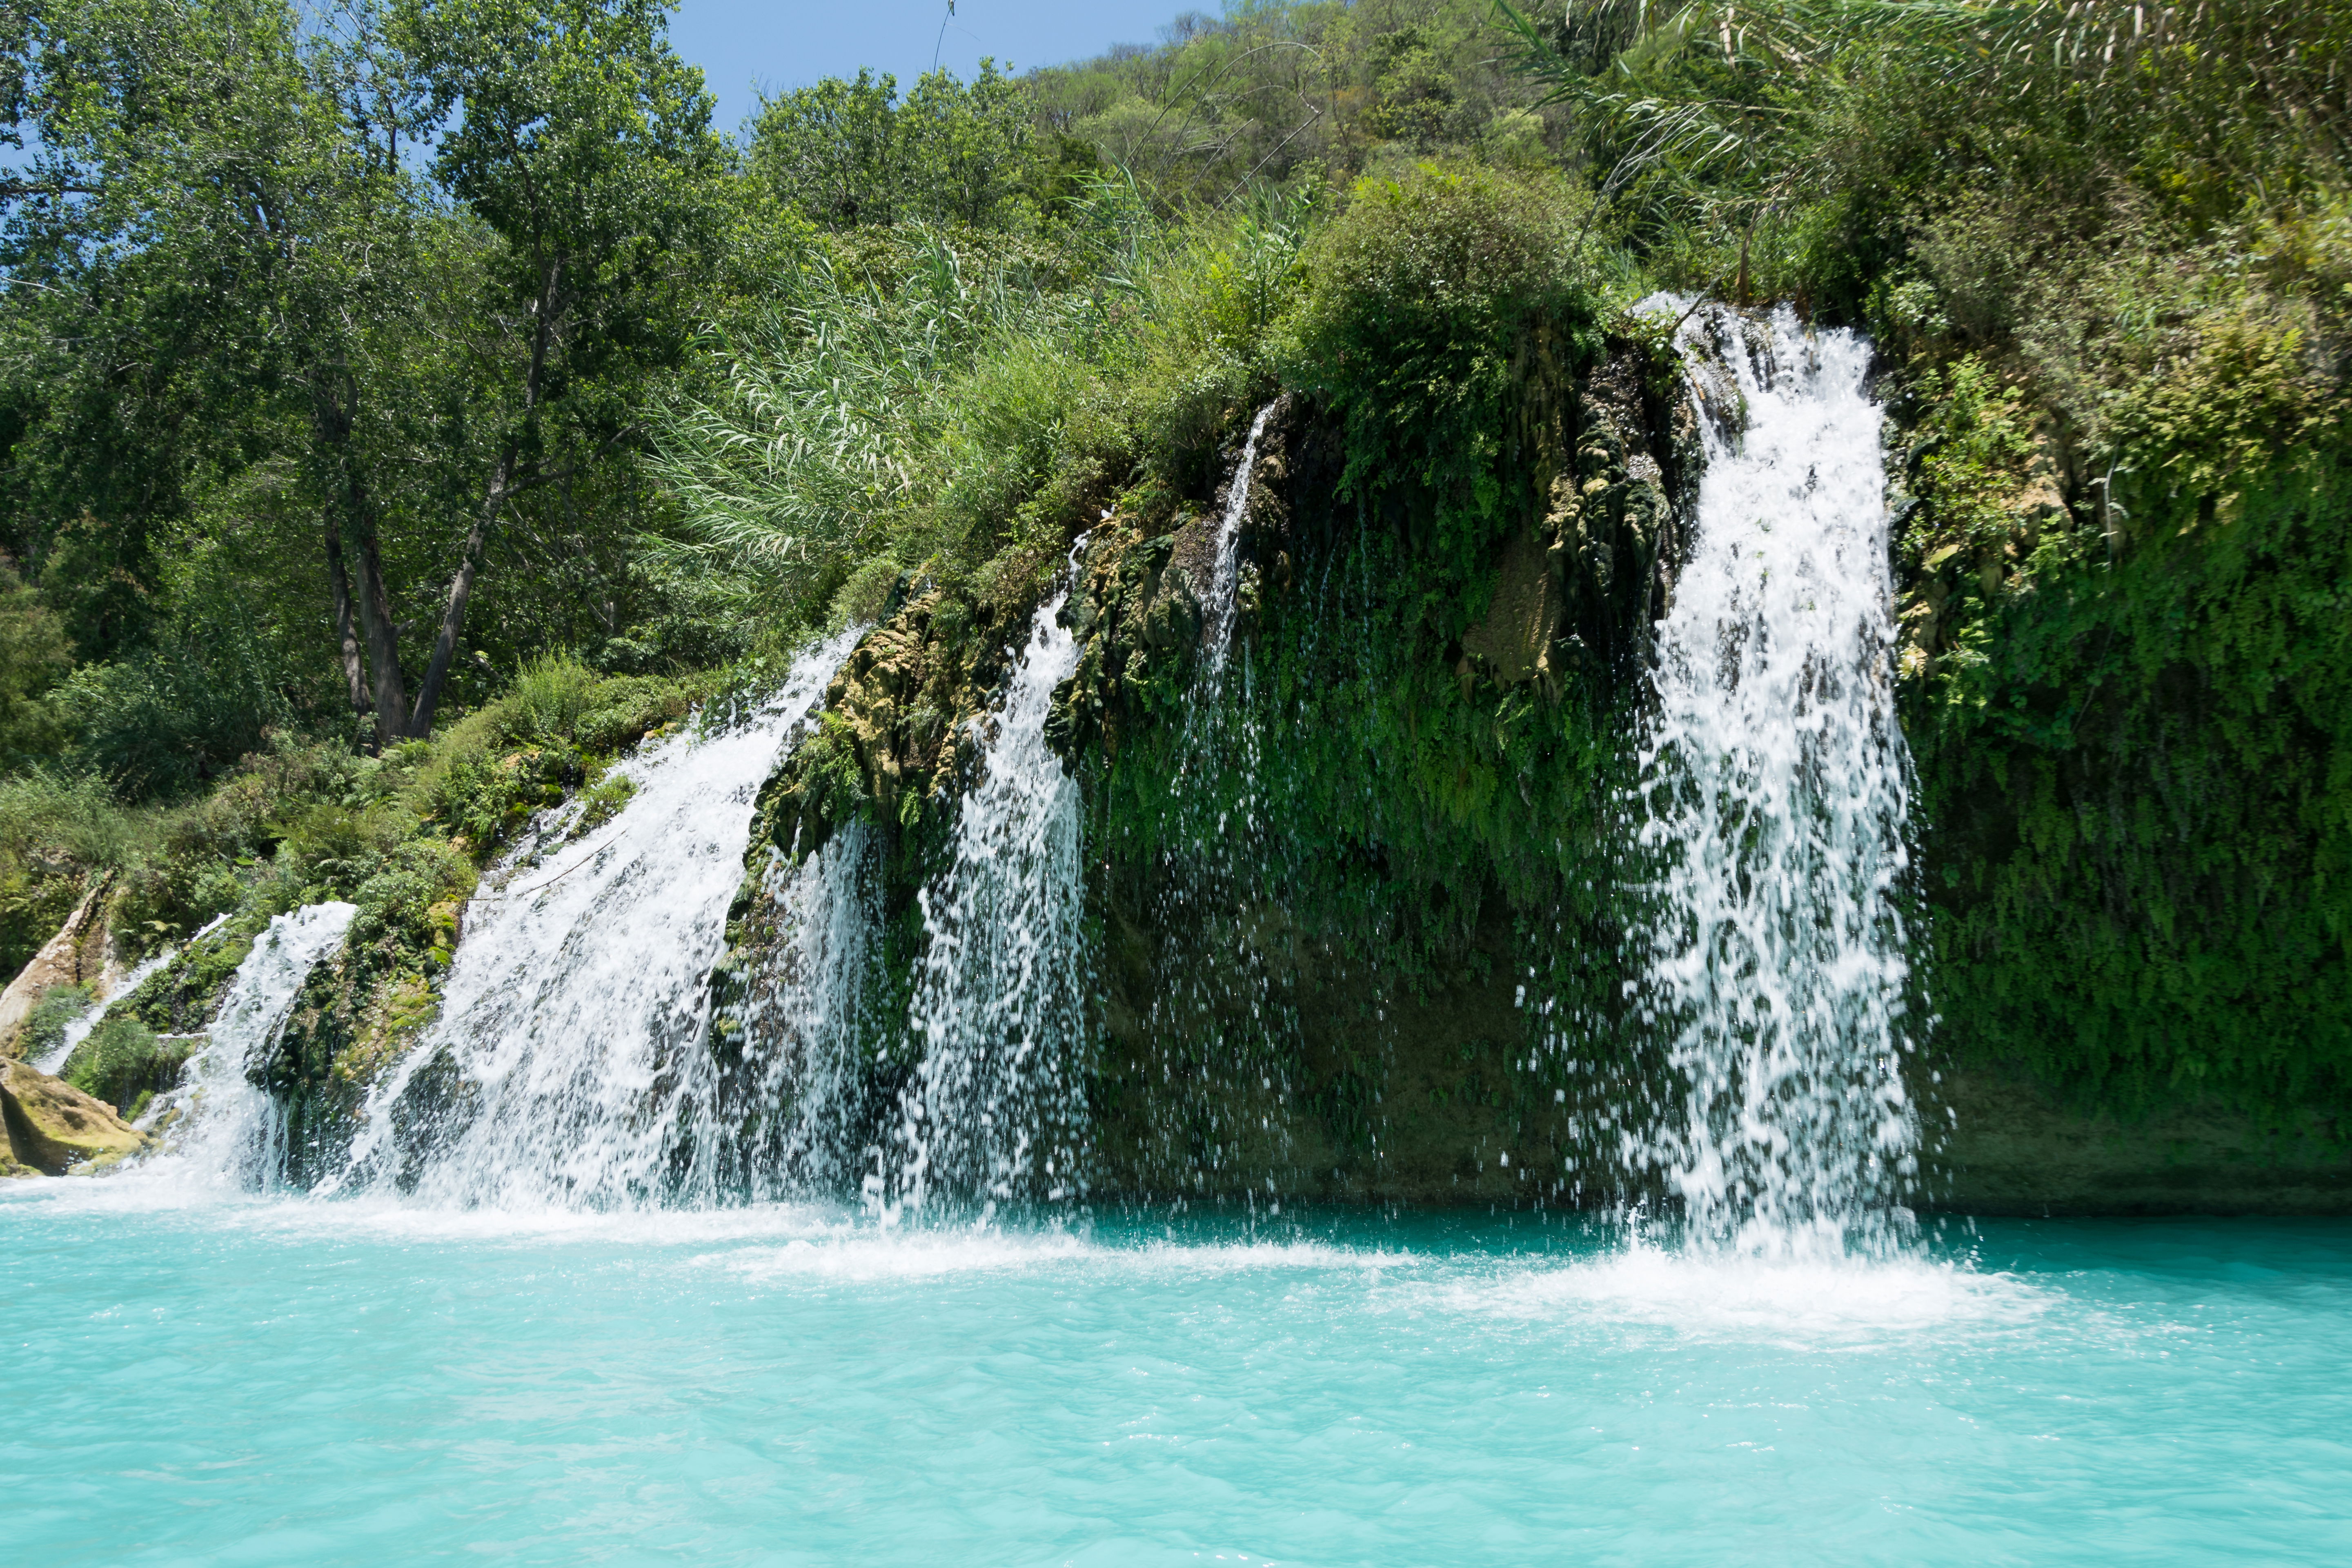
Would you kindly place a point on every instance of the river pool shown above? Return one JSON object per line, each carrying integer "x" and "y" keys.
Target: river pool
{"x": 203, "y": 1380}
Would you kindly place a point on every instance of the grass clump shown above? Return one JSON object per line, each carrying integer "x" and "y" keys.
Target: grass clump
{"x": 45, "y": 1026}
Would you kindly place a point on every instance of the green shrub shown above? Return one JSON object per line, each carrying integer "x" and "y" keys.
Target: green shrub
{"x": 332, "y": 848}
{"x": 550, "y": 695}
{"x": 57, "y": 830}
{"x": 123, "y": 1059}
{"x": 33, "y": 656}
{"x": 165, "y": 721}
{"x": 1422, "y": 299}
{"x": 44, "y": 1027}
{"x": 399, "y": 899}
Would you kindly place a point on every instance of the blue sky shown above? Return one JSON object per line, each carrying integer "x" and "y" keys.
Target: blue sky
{"x": 791, "y": 43}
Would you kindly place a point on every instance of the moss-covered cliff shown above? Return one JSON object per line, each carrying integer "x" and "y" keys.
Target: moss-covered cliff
{"x": 1362, "y": 892}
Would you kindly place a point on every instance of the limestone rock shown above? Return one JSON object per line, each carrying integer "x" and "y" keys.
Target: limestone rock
{"x": 1515, "y": 640}
{"x": 52, "y": 1126}
{"x": 75, "y": 956}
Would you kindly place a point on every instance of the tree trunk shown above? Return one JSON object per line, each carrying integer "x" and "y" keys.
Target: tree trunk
{"x": 461, "y": 589}
{"x": 339, "y": 582}
{"x": 331, "y": 414}
{"x": 384, "y": 646}
{"x": 544, "y": 313}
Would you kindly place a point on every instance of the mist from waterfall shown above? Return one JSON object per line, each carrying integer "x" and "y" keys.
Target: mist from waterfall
{"x": 1774, "y": 801}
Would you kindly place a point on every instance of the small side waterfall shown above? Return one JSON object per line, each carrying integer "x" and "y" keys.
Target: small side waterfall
{"x": 221, "y": 1124}
{"x": 564, "y": 1068}
{"x": 1212, "y": 1007}
{"x": 807, "y": 1120}
{"x": 1775, "y": 787}
{"x": 1224, "y": 589}
{"x": 995, "y": 1105}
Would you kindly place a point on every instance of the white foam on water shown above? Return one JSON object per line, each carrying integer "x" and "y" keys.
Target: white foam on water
{"x": 568, "y": 1067}
{"x": 864, "y": 1253}
{"x": 1709, "y": 1295}
{"x": 862, "y": 1256}
{"x": 1774, "y": 798}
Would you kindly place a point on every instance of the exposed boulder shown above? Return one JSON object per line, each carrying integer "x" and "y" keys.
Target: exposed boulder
{"x": 52, "y": 1126}
{"x": 75, "y": 956}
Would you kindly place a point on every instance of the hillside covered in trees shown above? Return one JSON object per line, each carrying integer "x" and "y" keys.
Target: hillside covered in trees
{"x": 404, "y": 407}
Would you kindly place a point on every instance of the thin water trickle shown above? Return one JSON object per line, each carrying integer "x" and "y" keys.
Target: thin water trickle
{"x": 1774, "y": 785}
{"x": 53, "y": 1061}
{"x": 1224, "y": 589}
{"x": 1213, "y": 1001}
{"x": 567, "y": 1067}
{"x": 994, "y": 1109}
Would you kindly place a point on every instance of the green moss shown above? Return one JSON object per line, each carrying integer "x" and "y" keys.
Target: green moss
{"x": 2135, "y": 758}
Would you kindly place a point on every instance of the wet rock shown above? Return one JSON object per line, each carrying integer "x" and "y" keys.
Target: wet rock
{"x": 52, "y": 1126}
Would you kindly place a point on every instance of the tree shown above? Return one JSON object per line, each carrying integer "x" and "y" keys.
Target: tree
{"x": 848, "y": 154}
{"x": 220, "y": 232}
{"x": 582, "y": 144}
{"x": 832, "y": 150}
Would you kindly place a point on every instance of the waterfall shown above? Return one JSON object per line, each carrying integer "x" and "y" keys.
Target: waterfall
{"x": 567, "y": 1066}
{"x": 804, "y": 1108}
{"x": 1774, "y": 789}
{"x": 995, "y": 1107}
{"x": 219, "y": 1123}
{"x": 1214, "y": 885}
{"x": 1224, "y": 589}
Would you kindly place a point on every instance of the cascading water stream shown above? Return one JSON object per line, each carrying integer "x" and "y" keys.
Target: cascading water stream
{"x": 1774, "y": 786}
{"x": 567, "y": 1067}
{"x": 1224, "y": 587}
{"x": 995, "y": 1105}
{"x": 801, "y": 1019}
{"x": 222, "y": 1128}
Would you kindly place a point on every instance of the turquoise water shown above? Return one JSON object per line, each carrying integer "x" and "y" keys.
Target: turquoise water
{"x": 318, "y": 1383}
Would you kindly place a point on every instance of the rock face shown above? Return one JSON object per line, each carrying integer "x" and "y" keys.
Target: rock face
{"x": 75, "y": 955}
{"x": 1401, "y": 1072}
{"x": 52, "y": 1126}
{"x": 896, "y": 737}
{"x": 1392, "y": 970}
